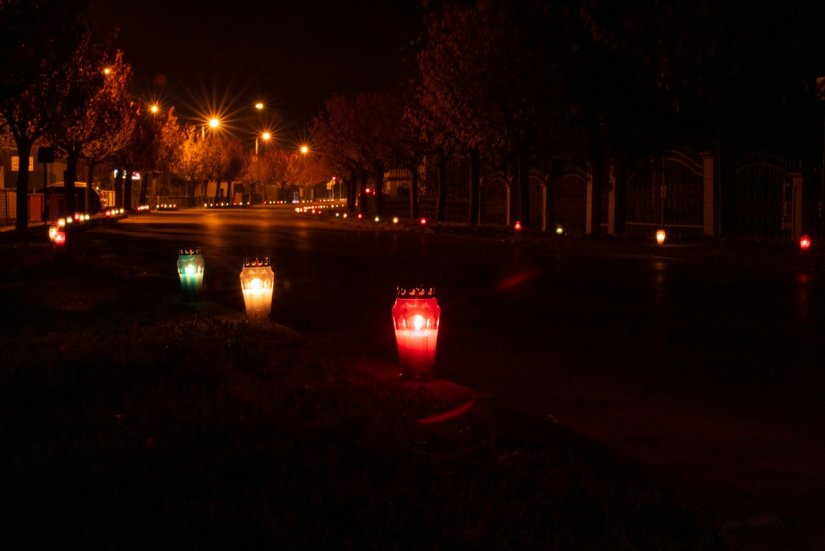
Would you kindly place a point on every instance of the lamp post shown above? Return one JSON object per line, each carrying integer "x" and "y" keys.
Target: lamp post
{"x": 190, "y": 271}
{"x": 820, "y": 95}
{"x": 257, "y": 284}
{"x": 265, "y": 137}
{"x": 416, "y": 317}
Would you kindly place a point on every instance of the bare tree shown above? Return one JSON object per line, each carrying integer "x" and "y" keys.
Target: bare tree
{"x": 36, "y": 40}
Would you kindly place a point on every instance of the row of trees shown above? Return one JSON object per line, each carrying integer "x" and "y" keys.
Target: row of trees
{"x": 63, "y": 86}
{"x": 510, "y": 85}
{"x": 501, "y": 85}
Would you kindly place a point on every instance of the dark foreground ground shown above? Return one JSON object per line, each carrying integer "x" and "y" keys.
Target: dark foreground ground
{"x": 132, "y": 419}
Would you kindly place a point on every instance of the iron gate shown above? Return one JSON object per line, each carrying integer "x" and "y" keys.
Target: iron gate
{"x": 570, "y": 201}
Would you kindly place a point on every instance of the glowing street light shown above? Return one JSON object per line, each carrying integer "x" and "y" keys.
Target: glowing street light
{"x": 259, "y": 105}
{"x": 257, "y": 284}
{"x": 214, "y": 122}
{"x": 304, "y": 149}
{"x": 154, "y": 108}
{"x": 265, "y": 137}
{"x": 190, "y": 270}
{"x": 416, "y": 316}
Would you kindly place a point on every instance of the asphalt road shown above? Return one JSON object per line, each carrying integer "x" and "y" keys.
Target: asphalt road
{"x": 711, "y": 371}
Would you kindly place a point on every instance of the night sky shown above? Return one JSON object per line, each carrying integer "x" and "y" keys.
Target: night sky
{"x": 292, "y": 54}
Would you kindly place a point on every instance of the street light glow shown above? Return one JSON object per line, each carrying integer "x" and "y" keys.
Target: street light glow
{"x": 214, "y": 122}
{"x": 304, "y": 149}
{"x": 154, "y": 108}
{"x": 266, "y": 136}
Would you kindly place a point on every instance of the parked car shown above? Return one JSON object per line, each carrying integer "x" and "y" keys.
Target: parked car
{"x": 55, "y": 197}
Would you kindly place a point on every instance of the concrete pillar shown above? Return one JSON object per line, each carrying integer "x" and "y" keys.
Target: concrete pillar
{"x": 708, "y": 207}
{"x": 796, "y": 190}
{"x": 611, "y": 199}
{"x": 589, "y": 214}
{"x": 545, "y": 206}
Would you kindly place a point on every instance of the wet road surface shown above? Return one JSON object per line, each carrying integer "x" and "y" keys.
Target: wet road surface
{"x": 711, "y": 371}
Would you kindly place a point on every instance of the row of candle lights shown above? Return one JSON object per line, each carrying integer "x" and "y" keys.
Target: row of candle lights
{"x": 416, "y": 314}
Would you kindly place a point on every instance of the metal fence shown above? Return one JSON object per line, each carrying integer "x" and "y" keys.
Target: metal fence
{"x": 667, "y": 191}
{"x": 570, "y": 201}
{"x": 763, "y": 203}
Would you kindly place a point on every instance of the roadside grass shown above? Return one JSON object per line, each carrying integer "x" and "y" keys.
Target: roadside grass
{"x": 132, "y": 420}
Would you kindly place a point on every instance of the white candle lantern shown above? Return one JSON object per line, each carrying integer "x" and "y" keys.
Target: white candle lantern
{"x": 416, "y": 317}
{"x": 660, "y": 237}
{"x": 257, "y": 284}
{"x": 190, "y": 270}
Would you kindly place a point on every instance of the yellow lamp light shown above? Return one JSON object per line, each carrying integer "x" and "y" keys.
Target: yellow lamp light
{"x": 257, "y": 284}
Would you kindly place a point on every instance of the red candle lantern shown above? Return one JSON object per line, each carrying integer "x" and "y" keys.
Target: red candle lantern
{"x": 804, "y": 243}
{"x": 416, "y": 316}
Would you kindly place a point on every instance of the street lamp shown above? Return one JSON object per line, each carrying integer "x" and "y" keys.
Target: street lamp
{"x": 154, "y": 108}
{"x": 212, "y": 122}
{"x": 304, "y": 149}
{"x": 265, "y": 136}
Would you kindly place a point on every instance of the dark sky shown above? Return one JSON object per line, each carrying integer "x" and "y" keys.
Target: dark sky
{"x": 293, "y": 54}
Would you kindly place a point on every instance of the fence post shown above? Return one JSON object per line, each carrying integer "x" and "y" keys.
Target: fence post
{"x": 708, "y": 212}
{"x": 509, "y": 209}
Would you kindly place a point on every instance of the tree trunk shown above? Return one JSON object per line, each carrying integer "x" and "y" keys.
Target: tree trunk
{"x": 127, "y": 189}
{"x": 441, "y": 200}
{"x": 217, "y": 191}
{"x": 69, "y": 178}
{"x": 144, "y": 184}
{"x": 475, "y": 187}
{"x": 90, "y": 173}
{"x": 119, "y": 188}
{"x": 362, "y": 194}
{"x": 24, "y": 149}
{"x": 414, "y": 192}
{"x": 352, "y": 191}
{"x": 379, "y": 188}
